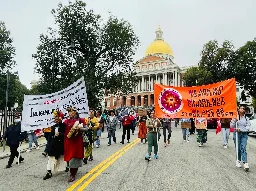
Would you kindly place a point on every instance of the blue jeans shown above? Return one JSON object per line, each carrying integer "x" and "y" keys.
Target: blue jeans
{"x": 111, "y": 133}
{"x": 97, "y": 142}
{"x": 225, "y": 135}
{"x": 32, "y": 138}
{"x": 185, "y": 134}
{"x": 242, "y": 142}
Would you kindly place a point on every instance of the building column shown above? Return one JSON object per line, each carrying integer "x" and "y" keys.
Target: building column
{"x": 142, "y": 101}
{"x": 128, "y": 101}
{"x": 173, "y": 78}
{"x": 142, "y": 84}
{"x": 152, "y": 83}
{"x": 136, "y": 100}
{"x": 179, "y": 79}
{"x": 165, "y": 79}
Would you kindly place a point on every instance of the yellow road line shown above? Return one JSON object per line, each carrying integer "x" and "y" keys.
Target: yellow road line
{"x": 106, "y": 166}
{"x": 71, "y": 188}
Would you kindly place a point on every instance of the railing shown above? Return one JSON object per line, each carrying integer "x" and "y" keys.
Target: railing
{"x": 10, "y": 120}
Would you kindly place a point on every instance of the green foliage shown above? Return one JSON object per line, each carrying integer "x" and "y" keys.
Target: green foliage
{"x": 86, "y": 46}
{"x": 7, "y": 51}
{"x": 244, "y": 66}
{"x": 254, "y": 103}
{"x": 197, "y": 76}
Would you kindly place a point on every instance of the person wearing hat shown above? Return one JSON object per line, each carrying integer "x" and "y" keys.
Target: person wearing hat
{"x": 56, "y": 146}
{"x": 13, "y": 137}
{"x": 73, "y": 142}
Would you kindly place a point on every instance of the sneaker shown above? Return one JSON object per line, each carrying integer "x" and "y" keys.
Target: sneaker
{"x": 147, "y": 157}
{"x": 238, "y": 164}
{"x": 169, "y": 142}
{"x": 187, "y": 141}
{"x": 200, "y": 145}
{"x": 45, "y": 154}
{"x": 246, "y": 166}
{"x": 29, "y": 150}
{"x": 225, "y": 146}
{"x": 47, "y": 176}
{"x": 184, "y": 140}
{"x": 109, "y": 144}
{"x": 142, "y": 143}
{"x": 97, "y": 146}
{"x": 37, "y": 148}
{"x": 8, "y": 166}
{"x": 156, "y": 156}
{"x": 165, "y": 145}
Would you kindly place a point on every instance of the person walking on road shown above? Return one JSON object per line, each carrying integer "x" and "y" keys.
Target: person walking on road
{"x": 14, "y": 137}
{"x": 47, "y": 132}
{"x": 127, "y": 123}
{"x": 225, "y": 130}
{"x": 99, "y": 129}
{"x": 201, "y": 128}
{"x": 143, "y": 129}
{"x": 153, "y": 125}
{"x": 166, "y": 122}
{"x": 242, "y": 126}
{"x": 185, "y": 126}
{"x": 56, "y": 146}
{"x": 111, "y": 124}
{"x": 32, "y": 138}
{"x": 73, "y": 142}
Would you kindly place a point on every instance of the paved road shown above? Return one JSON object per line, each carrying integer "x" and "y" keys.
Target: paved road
{"x": 181, "y": 166}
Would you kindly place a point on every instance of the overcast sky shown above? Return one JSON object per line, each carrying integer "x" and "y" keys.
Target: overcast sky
{"x": 186, "y": 24}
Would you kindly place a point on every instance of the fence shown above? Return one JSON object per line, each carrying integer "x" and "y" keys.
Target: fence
{"x": 10, "y": 120}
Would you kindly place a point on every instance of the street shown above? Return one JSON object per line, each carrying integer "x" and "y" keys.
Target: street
{"x": 181, "y": 166}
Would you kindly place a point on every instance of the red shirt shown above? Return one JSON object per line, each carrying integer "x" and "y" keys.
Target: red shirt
{"x": 126, "y": 120}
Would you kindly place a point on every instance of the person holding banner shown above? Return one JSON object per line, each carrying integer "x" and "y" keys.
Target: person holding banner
{"x": 73, "y": 142}
{"x": 56, "y": 146}
{"x": 14, "y": 137}
{"x": 201, "y": 128}
{"x": 167, "y": 127}
{"x": 153, "y": 125}
{"x": 242, "y": 126}
{"x": 185, "y": 126}
{"x": 225, "y": 129}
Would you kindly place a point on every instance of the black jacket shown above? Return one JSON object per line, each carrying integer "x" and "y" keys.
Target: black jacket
{"x": 56, "y": 143}
{"x": 13, "y": 135}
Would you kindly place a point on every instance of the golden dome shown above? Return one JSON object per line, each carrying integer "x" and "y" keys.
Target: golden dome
{"x": 159, "y": 46}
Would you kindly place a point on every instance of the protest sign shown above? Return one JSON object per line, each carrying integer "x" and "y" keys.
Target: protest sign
{"x": 209, "y": 101}
{"x": 37, "y": 109}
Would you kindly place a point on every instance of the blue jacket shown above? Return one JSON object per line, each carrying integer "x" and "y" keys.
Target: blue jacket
{"x": 13, "y": 135}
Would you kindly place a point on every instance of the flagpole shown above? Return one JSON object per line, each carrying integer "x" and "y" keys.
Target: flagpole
{"x": 236, "y": 142}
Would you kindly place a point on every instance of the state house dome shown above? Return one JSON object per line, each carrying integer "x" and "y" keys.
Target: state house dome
{"x": 159, "y": 46}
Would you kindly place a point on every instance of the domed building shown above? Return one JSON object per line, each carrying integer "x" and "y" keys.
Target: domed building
{"x": 157, "y": 66}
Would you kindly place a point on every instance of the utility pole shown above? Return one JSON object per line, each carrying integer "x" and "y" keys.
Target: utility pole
{"x": 6, "y": 99}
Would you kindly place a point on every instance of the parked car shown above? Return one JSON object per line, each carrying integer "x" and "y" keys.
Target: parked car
{"x": 252, "y": 131}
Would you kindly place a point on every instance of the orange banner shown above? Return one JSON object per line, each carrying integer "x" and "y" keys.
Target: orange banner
{"x": 209, "y": 101}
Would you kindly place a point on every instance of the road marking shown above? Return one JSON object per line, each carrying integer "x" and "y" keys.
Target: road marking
{"x": 92, "y": 171}
{"x": 106, "y": 166}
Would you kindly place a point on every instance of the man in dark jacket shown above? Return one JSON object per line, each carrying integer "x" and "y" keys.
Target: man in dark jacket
{"x": 13, "y": 137}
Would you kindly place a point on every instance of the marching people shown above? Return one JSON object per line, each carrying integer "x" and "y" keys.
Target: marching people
{"x": 166, "y": 122}
{"x": 242, "y": 126}
{"x": 56, "y": 146}
{"x": 13, "y": 138}
{"x": 73, "y": 142}
{"x": 111, "y": 124}
{"x": 32, "y": 138}
{"x": 201, "y": 128}
{"x": 92, "y": 126}
{"x": 153, "y": 125}
{"x": 225, "y": 130}
{"x": 126, "y": 123}
{"x": 47, "y": 133}
{"x": 143, "y": 129}
{"x": 99, "y": 129}
{"x": 185, "y": 125}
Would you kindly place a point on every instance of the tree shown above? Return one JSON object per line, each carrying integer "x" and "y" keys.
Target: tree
{"x": 7, "y": 51}
{"x": 86, "y": 46}
{"x": 197, "y": 76}
{"x": 217, "y": 59}
{"x": 244, "y": 66}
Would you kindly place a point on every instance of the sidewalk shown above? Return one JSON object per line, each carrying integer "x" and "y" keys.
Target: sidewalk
{"x": 24, "y": 147}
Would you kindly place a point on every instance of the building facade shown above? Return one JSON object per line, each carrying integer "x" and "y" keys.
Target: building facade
{"x": 157, "y": 66}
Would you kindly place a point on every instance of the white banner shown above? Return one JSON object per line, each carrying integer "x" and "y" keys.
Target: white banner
{"x": 37, "y": 109}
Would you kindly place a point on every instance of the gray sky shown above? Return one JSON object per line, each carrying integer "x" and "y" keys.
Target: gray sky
{"x": 186, "y": 24}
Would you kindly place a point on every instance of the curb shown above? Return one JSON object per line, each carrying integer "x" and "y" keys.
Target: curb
{"x": 22, "y": 151}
